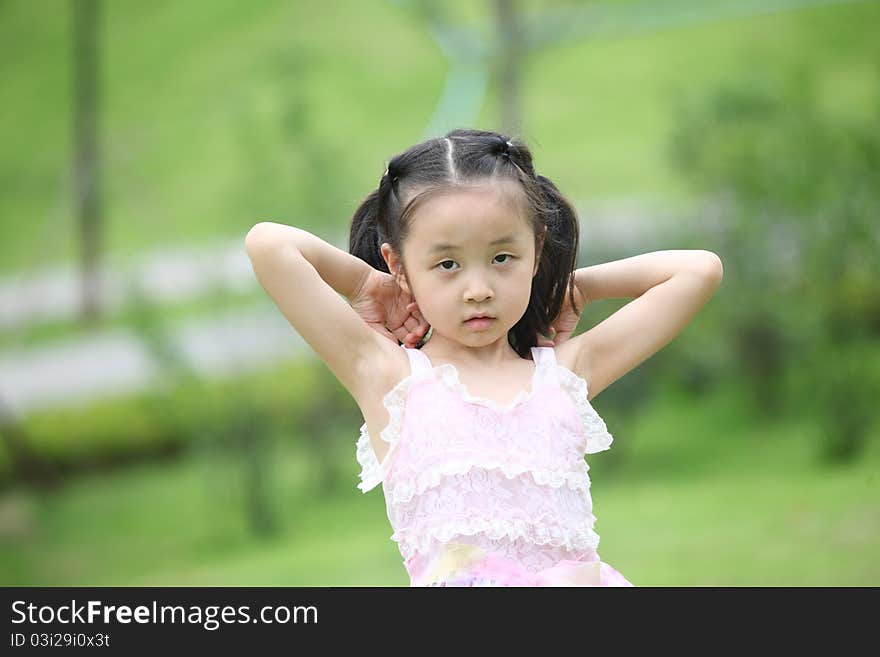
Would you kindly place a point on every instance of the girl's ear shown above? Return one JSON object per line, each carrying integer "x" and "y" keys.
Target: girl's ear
{"x": 395, "y": 266}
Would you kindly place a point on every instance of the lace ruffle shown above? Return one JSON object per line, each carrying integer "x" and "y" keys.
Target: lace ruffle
{"x": 404, "y": 489}
{"x": 448, "y": 376}
{"x": 539, "y": 531}
{"x": 598, "y": 438}
{"x": 372, "y": 472}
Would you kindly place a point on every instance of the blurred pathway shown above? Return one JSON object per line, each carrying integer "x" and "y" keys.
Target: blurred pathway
{"x": 117, "y": 363}
{"x": 166, "y": 276}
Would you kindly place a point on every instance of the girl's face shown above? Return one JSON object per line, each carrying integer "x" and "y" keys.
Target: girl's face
{"x": 468, "y": 252}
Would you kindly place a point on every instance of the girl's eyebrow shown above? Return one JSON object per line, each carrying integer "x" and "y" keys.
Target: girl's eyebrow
{"x": 507, "y": 239}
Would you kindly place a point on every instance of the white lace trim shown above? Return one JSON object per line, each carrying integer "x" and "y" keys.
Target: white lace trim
{"x": 448, "y": 375}
{"x": 404, "y": 490}
{"x": 598, "y": 438}
{"x": 538, "y": 531}
{"x": 372, "y": 472}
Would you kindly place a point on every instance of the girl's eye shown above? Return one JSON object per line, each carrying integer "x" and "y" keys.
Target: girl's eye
{"x": 500, "y": 255}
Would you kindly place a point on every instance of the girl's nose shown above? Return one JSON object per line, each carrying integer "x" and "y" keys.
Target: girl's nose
{"x": 478, "y": 285}
{"x": 478, "y": 293}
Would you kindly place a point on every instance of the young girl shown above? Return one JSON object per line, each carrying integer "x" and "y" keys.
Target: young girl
{"x": 477, "y": 428}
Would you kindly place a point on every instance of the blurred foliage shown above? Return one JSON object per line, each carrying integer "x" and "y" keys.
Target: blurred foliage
{"x": 237, "y": 423}
{"x": 288, "y": 160}
{"x": 797, "y": 195}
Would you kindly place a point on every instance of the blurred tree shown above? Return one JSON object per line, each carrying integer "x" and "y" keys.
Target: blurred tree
{"x": 240, "y": 430}
{"x": 325, "y": 430}
{"x": 798, "y": 195}
{"x": 24, "y": 463}
{"x": 87, "y": 160}
{"x": 514, "y": 29}
{"x": 249, "y": 433}
{"x": 295, "y": 174}
{"x": 509, "y": 64}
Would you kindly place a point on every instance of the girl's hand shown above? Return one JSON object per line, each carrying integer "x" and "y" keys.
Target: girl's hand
{"x": 385, "y": 307}
{"x": 565, "y": 322}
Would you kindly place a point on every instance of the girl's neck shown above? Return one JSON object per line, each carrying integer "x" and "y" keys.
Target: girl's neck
{"x": 443, "y": 350}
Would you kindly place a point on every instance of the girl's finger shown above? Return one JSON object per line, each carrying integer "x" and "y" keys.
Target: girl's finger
{"x": 411, "y": 335}
{"x": 423, "y": 323}
{"x": 411, "y": 324}
{"x": 417, "y": 325}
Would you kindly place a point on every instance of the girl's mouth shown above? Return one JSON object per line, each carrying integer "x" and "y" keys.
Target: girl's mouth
{"x": 479, "y": 323}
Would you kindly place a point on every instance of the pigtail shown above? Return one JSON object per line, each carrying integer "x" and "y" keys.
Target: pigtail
{"x": 371, "y": 221}
{"x": 558, "y": 251}
{"x": 561, "y": 250}
{"x": 363, "y": 238}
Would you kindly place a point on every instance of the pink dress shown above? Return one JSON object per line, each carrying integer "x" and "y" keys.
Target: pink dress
{"x": 481, "y": 494}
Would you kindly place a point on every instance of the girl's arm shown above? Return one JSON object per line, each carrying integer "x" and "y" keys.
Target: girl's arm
{"x": 670, "y": 288}
{"x": 632, "y": 277}
{"x": 304, "y": 276}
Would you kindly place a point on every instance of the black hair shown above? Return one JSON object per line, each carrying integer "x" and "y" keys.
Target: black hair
{"x": 468, "y": 157}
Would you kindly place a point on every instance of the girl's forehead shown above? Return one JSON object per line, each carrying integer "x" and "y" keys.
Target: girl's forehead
{"x": 466, "y": 217}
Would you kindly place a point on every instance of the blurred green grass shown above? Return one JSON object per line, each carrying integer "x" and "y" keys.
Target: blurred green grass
{"x": 748, "y": 505}
{"x": 176, "y": 129}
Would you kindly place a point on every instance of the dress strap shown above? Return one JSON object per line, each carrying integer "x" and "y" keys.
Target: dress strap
{"x": 418, "y": 362}
{"x": 545, "y": 361}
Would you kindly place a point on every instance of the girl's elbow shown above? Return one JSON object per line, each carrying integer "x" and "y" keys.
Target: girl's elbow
{"x": 265, "y": 235}
{"x": 255, "y": 236}
{"x": 711, "y": 267}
